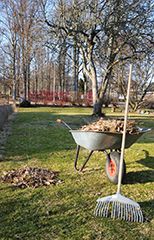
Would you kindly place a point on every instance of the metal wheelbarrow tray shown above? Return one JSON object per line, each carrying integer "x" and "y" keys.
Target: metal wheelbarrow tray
{"x": 101, "y": 141}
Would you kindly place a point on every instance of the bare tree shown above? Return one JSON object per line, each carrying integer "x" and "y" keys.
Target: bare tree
{"x": 141, "y": 81}
{"x": 19, "y": 27}
{"x": 110, "y": 31}
{"x": 91, "y": 36}
{"x": 26, "y": 11}
{"x": 10, "y": 33}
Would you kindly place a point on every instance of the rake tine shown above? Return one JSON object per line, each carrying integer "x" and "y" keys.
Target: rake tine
{"x": 136, "y": 215}
{"x": 116, "y": 212}
{"x": 125, "y": 209}
{"x": 135, "y": 218}
{"x": 130, "y": 213}
{"x": 96, "y": 210}
{"x": 112, "y": 211}
{"x": 119, "y": 210}
{"x": 140, "y": 216}
{"x": 100, "y": 206}
{"x": 99, "y": 209}
{"x": 106, "y": 209}
{"x": 122, "y": 213}
{"x": 133, "y": 212}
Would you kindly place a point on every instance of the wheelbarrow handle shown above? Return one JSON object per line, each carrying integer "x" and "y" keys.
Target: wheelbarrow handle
{"x": 61, "y": 121}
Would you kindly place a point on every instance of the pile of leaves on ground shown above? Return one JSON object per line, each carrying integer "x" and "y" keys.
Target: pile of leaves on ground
{"x": 111, "y": 125}
{"x": 31, "y": 177}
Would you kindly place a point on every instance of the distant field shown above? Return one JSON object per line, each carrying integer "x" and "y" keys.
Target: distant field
{"x": 65, "y": 211}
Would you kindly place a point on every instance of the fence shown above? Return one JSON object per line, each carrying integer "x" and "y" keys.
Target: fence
{"x": 61, "y": 98}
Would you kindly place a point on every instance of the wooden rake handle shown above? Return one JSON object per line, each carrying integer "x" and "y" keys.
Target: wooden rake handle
{"x": 124, "y": 130}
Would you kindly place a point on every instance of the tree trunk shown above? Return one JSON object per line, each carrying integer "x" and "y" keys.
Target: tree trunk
{"x": 90, "y": 72}
{"x": 75, "y": 68}
{"x": 97, "y": 102}
{"x": 61, "y": 66}
{"x": 14, "y": 75}
{"x": 25, "y": 84}
{"x": 97, "y": 109}
{"x": 28, "y": 79}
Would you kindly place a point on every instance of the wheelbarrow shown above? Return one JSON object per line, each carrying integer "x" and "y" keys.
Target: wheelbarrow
{"x": 107, "y": 142}
{"x": 103, "y": 141}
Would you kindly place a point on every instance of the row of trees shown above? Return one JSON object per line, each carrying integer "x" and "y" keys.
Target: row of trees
{"x": 53, "y": 44}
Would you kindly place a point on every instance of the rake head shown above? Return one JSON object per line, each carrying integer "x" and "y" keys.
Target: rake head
{"x": 118, "y": 206}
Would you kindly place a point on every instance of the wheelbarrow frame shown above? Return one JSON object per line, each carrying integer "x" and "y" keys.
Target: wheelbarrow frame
{"x": 102, "y": 141}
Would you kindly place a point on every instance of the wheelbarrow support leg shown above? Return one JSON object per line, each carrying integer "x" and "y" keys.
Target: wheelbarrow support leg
{"x": 76, "y": 159}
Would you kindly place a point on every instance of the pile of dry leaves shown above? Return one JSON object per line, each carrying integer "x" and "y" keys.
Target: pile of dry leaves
{"x": 31, "y": 177}
{"x": 111, "y": 125}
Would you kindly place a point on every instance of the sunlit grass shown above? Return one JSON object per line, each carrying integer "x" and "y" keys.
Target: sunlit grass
{"x": 65, "y": 211}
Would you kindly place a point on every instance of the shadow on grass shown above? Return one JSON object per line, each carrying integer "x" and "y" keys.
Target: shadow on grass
{"x": 148, "y": 210}
{"x": 144, "y": 176}
{"x": 148, "y": 161}
{"x": 140, "y": 177}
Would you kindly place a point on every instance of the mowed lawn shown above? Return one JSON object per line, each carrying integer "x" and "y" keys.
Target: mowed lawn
{"x": 65, "y": 211}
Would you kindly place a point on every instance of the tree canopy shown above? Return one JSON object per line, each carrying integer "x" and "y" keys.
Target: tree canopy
{"x": 94, "y": 39}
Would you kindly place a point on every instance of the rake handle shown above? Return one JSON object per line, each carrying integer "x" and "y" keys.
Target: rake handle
{"x": 124, "y": 131}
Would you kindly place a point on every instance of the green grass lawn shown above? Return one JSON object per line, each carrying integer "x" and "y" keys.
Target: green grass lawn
{"x": 65, "y": 211}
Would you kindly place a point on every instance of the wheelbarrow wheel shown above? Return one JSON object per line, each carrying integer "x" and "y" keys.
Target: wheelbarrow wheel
{"x": 112, "y": 167}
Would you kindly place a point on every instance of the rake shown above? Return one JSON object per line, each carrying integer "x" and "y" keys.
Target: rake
{"x": 118, "y": 206}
